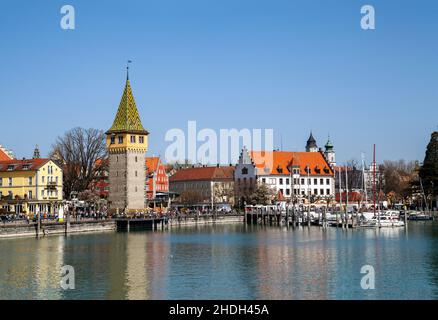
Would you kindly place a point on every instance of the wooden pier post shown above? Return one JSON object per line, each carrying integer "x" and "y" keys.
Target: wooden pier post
{"x": 38, "y": 224}
{"x": 67, "y": 223}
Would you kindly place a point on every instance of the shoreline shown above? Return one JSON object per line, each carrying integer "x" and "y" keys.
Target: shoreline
{"x": 97, "y": 226}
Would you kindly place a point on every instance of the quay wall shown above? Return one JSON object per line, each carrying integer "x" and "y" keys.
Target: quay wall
{"x": 30, "y": 230}
{"x": 193, "y": 221}
{"x": 56, "y": 228}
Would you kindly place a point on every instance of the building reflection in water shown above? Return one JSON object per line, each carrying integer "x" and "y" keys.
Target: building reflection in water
{"x": 292, "y": 264}
{"x": 146, "y": 265}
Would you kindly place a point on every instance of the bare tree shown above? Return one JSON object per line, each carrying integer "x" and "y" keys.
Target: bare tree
{"x": 399, "y": 177}
{"x": 78, "y": 152}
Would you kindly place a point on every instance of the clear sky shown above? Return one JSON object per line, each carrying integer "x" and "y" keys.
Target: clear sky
{"x": 293, "y": 66}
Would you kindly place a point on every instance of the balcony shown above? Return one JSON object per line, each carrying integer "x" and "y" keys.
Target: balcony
{"x": 52, "y": 185}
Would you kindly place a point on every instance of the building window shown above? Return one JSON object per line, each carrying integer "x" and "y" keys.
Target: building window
{"x": 287, "y": 181}
{"x": 42, "y": 179}
{"x": 112, "y": 140}
{"x": 281, "y": 180}
{"x": 10, "y": 194}
{"x": 42, "y": 193}
{"x": 302, "y": 181}
{"x": 287, "y": 192}
{"x": 264, "y": 180}
{"x": 245, "y": 171}
{"x": 328, "y": 191}
{"x": 141, "y": 139}
{"x": 315, "y": 182}
{"x": 132, "y": 139}
{"x": 315, "y": 191}
{"x": 327, "y": 181}
{"x": 10, "y": 182}
{"x": 30, "y": 194}
{"x": 1, "y": 182}
{"x": 321, "y": 192}
{"x": 30, "y": 181}
{"x": 321, "y": 181}
{"x": 309, "y": 181}
{"x": 136, "y": 159}
{"x": 120, "y": 139}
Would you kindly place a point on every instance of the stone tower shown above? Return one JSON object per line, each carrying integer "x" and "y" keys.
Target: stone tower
{"x": 311, "y": 144}
{"x": 127, "y": 143}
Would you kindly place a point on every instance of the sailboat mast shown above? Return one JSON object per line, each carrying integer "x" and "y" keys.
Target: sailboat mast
{"x": 374, "y": 179}
{"x": 363, "y": 179}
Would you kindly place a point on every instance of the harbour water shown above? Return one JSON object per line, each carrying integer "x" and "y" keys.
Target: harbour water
{"x": 232, "y": 261}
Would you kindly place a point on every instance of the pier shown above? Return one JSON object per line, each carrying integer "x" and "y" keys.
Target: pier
{"x": 126, "y": 224}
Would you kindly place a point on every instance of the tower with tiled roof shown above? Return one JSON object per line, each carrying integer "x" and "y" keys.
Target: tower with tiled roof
{"x": 311, "y": 144}
{"x": 329, "y": 153}
{"x": 127, "y": 143}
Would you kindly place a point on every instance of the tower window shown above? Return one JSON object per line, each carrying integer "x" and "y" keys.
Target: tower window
{"x": 141, "y": 139}
{"x": 132, "y": 139}
{"x": 120, "y": 139}
{"x": 113, "y": 140}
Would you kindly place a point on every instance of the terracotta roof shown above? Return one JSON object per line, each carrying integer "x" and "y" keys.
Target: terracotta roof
{"x": 152, "y": 164}
{"x": 278, "y": 163}
{"x": 127, "y": 117}
{"x": 4, "y": 156}
{"x": 20, "y": 165}
{"x": 204, "y": 173}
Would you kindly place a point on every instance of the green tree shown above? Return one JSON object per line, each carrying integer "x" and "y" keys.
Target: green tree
{"x": 429, "y": 169}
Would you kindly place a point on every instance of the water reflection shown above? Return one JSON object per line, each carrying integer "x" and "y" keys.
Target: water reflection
{"x": 225, "y": 262}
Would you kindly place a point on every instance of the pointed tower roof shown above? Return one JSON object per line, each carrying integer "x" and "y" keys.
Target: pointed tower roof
{"x": 36, "y": 153}
{"x": 311, "y": 142}
{"x": 127, "y": 117}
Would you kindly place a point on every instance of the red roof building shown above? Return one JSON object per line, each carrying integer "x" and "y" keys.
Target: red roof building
{"x": 4, "y": 154}
{"x": 209, "y": 185}
{"x": 296, "y": 174}
{"x": 157, "y": 180}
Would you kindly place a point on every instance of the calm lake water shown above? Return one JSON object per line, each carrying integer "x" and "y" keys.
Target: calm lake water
{"x": 226, "y": 262}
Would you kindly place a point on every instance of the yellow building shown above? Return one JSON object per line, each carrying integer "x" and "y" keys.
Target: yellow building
{"x": 29, "y": 185}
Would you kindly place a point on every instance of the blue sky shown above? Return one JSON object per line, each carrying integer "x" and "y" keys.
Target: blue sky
{"x": 293, "y": 66}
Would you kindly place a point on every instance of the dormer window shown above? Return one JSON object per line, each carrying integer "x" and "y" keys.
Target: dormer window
{"x": 279, "y": 169}
{"x": 317, "y": 169}
{"x": 11, "y": 167}
{"x": 307, "y": 169}
{"x": 326, "y": 170}
{"x": 26, "y": 167}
